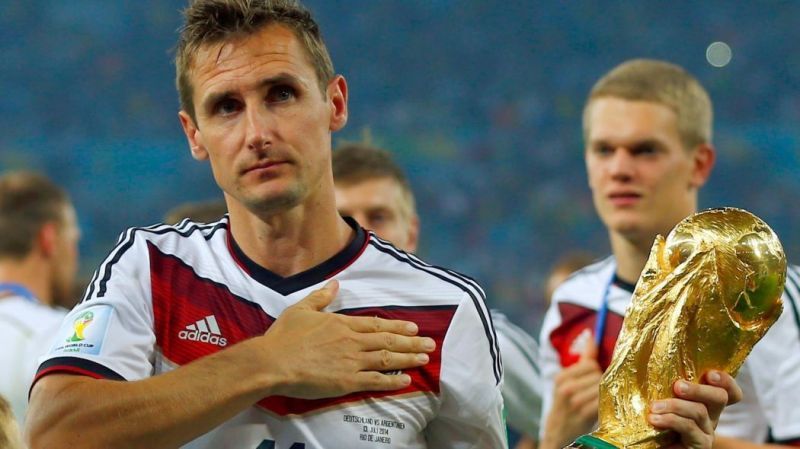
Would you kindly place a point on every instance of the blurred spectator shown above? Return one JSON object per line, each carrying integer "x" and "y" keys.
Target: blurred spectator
{"x": 372, "y": 188}
{"x": 38, "y": 263}
{"x": 10, "y": 437}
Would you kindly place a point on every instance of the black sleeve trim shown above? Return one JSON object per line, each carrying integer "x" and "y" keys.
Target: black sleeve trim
{"x": 792, "y": 441}
{"x": 76, "y": 365}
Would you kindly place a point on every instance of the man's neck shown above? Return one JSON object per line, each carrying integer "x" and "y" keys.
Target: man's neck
{"x": 28, "y": 273}
{"x": 632, "y": 251}
{"x": 631, "y": 256}
{"x": 292, "y": 241}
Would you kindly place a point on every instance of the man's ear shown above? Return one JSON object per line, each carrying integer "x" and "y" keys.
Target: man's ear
{"x": 337, "y": 99}
{"x": 413, "y": 234}
{"x": 47, "y": 238}
{"x": 193, "y": 136}
{"x": 704, "y": 158}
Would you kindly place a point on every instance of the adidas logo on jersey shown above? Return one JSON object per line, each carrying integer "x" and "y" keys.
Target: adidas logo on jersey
{"x": 205, "y": 330}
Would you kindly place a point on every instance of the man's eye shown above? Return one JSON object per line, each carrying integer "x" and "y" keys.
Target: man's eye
{"x": 645, "y": 149}
{"x": 603, "y": 150}
{"x": 379, "y": 219}
{"x": 226, "y": 107}
{"x": 280, "y": 94}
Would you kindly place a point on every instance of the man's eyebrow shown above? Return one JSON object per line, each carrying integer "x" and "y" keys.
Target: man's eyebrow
{"x": 651, "y": 142}
{"x": 379, "y": 208}
{"x": 214, "y": 98}
{"x": 632, "y": 144}
{"x": 281, "y": 78}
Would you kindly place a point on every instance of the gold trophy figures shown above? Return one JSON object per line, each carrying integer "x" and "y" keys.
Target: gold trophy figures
{"x": 707, "y": 294}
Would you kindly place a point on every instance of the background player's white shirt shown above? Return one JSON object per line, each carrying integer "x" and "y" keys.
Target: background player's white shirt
{"x": 26, "y": 328}
{"x": 769, "y": 378}
{"x": 521, "y": 378}
{"x": 168, "y": 295}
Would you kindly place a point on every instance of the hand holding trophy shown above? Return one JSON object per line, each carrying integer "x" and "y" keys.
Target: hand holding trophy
{"x": 707, "y": 295}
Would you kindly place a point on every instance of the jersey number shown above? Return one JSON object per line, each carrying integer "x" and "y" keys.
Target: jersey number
{"x": 269, "y": 444}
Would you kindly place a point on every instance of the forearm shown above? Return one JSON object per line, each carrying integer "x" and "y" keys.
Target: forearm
{"x": 164, "y": 411}
{"x": 721, "y": 442}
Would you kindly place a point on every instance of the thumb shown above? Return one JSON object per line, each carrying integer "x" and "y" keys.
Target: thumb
{"x": 590, "y": 349}
{"x": 319, "y": 299}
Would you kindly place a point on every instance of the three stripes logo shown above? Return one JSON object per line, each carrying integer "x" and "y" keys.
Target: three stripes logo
{"x": 205, "y": 330}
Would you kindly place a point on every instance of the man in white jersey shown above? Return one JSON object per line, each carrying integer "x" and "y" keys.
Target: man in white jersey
{"x": 647, "y": 127}
{"x": 38, "y": 263}
{"x": 210, "y": 336}
{"x": 372, "y": 188}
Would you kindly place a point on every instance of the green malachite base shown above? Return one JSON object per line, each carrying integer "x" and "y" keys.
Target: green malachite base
{"x": 590, "y": 442}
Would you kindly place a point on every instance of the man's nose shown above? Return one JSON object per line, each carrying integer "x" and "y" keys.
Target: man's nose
{"x": 259, "y": 128}
{"x": 621, "y": 165}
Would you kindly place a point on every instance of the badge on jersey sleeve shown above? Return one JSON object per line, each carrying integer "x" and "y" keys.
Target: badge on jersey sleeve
{"x": 84, "y": 333}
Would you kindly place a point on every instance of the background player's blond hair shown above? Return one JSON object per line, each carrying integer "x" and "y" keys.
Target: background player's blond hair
{"x": 9, "y": 431}
{"x": 663, "y": 83}
{"x": 355, "y": 162}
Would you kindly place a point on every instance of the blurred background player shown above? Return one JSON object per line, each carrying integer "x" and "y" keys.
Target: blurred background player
{"x": 647, "y": 128}
{"x": 371, "y": 188}
{"x": 38, "y": 264}
{"x": 10, "y": 437}
{"x": 374, "y": 190}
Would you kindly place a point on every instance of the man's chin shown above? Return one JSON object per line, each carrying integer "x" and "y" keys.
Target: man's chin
{"x": 273, "y": 202}
{"x": 629, "y": 229}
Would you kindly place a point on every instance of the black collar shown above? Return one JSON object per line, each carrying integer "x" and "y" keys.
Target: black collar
{"x": 625, "y": 285}
{"x": 312, "y": 276}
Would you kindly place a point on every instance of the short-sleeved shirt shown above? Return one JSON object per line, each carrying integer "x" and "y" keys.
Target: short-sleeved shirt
{"x": 168, "y": 295}
{"x": 521, "y": 378}
{"x": 769, "y": 378}
{"x": 26, "y": 328}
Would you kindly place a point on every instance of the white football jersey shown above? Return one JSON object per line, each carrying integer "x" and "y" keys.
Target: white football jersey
{"x": 168, "y": 295}
{"x": 521, "y": 378}
{"x": 769, "y": 378}
{"x": 26, "y": 328}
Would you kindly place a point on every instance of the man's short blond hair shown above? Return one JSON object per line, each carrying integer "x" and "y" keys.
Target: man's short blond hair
{"x": 663, "y": 83}
{"x": 209, "y": 22}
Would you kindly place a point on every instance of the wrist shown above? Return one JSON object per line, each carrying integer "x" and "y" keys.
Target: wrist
{"x": 549, "y": 442}
{"x": 257, "y": 374}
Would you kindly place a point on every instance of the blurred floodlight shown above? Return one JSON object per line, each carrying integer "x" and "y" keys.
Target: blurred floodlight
{"x": 719, "y": 54}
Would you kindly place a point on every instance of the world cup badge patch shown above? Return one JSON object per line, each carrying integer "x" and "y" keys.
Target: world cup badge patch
{"x": 84, "y": 333}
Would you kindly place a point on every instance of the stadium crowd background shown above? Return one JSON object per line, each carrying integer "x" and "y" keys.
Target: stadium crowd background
{"x": 480, "y": 101}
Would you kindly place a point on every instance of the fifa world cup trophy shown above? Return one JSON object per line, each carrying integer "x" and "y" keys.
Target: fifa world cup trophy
{"x": 707, "y": 294}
